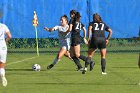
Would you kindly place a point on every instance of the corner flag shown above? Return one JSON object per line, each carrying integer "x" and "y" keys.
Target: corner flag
{"x": 35, "y": 24}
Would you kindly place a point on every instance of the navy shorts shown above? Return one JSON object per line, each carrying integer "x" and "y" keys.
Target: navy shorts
{"x": 75, "y": 41}
{"x": 99, "y": 43}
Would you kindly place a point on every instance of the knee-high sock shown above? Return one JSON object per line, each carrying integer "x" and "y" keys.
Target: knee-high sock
{"x": 55, "y": 61}
{"x": 77, "y": 62}
{"x": 2, "y": 72}
{"x": 103, "y": 64}
{"x": 88, "y": 61}
{"x": 83, "y": 57}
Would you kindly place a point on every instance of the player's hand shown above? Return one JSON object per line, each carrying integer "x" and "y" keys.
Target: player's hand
{"x": 85, "y": 41}
{"x": 107, "y": 41}
{"x": 45, "y": 28}
{"x": 89, "y": 41}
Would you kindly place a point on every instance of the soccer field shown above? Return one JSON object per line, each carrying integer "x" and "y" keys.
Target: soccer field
{"x": 123, "y": 75}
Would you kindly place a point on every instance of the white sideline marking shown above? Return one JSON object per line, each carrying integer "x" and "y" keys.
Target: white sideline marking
{"x": 21, "y": 60}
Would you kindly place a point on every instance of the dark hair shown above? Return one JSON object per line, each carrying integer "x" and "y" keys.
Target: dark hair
{"x": 77, "y": 16}
{"x": 97, "y": 18}
{"x": 73, "y": 12}
{"x": 65, "y": 16}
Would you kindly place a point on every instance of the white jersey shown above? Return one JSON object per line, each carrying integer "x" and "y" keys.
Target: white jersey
{"x": 61, "y": 31}
{"x": 64, "y": 38}
{"x": 3, "y": 30}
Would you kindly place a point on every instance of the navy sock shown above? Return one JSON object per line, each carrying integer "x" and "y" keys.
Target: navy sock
{"x": 83, "y": 57}
{"x": 87, "y": 62}
{"x": 77, "y": 62}
{"x": 103, "y": 64}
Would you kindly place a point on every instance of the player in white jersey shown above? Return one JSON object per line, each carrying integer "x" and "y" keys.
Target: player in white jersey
{"x": 3, "y": 51}
{"x": 64, "y": 39}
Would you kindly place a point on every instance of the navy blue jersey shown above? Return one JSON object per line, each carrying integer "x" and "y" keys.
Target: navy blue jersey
{"x": 98, "y": 29}
{"x": 71, "y": 21}
{"x": 77, "y": 27}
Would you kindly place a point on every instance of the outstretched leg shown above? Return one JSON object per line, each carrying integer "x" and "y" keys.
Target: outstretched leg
{"x": 57, "y": 59}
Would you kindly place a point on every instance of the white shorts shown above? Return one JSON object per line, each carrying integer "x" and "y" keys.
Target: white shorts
{"x": 3, "y": 56}
{"x": 65, "y": 44}
{"x": 66, "y": 47}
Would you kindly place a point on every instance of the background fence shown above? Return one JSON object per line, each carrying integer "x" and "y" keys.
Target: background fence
{"x": 121, "y": 15}
{"x": 51, "y": 45}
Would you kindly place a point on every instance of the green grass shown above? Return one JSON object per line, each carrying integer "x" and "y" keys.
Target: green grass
{"x": 123, "y": 75}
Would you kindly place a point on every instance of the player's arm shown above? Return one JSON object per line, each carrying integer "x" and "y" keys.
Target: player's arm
{"x": 109, "y": 35}
{"x": 9, "y": 36}
{"x": 70, "y": 28}
{"x": 84, "y": 29}
{"x": 70, "y": 25}
{"x": 89, "y": 32}
{"x": 49, "y": 29}
{"x": 85, "y": 40}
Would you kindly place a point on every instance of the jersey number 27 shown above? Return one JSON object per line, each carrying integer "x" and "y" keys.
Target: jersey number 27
{"x": 97, "y": 26}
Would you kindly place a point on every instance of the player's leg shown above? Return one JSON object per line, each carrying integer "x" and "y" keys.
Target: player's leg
{"x": 89, "y": 61}
{"x": 67, "y": 54}
{"x": 103, "y": 60}
{"x": 91, "y": 52}
{"x": 102, "y": 47}
{"x": 59, "y": 56}
{"x": 2, "y": 68}
{"x": 77, "y": 52}
{"x": 75, "y": 59}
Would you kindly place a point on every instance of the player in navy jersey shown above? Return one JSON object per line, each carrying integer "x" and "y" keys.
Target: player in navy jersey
{"x": 75, "y": 59}
{"x": 75, "y": 26}
{"x": 98, "y": 40}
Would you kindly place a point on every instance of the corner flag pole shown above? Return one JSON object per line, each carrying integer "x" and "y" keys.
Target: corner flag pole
{"x": 35, "y": 24}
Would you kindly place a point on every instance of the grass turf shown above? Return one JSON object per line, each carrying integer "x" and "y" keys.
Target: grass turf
{"x": 122, "y": 75}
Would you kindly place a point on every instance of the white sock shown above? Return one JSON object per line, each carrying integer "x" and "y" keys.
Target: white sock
{"x": 55, "y": 61}
{"x": 2, "y": 72}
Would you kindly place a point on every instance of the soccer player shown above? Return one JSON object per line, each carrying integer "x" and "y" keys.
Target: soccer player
{"x": 75, "y": 59}
{"x": 98, "y": 40}
{"x": 75, "y": 26}
{"x": 64, "y": 39}
{"x": 3, "y": 51}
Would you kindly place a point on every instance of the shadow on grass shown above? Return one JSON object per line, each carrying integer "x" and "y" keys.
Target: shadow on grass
{"x": 78, "y": 84}
{"x": 124, "y": 67}
{"x": 19, "y": 70}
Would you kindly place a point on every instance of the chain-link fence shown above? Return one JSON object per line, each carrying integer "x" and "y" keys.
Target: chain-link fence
{"x": 51, "y": 45}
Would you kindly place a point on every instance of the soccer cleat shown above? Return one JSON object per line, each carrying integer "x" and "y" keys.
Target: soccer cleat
{"x": 4, "y": 81}
{"x": 50, "y": 66}
{"x": 84, "y": 71}
{"x": 104, "y": 73}
{"x": 91, "y": 65}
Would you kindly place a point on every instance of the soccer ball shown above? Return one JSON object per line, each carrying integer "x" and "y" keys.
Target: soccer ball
{"x": 36, "y": 67}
